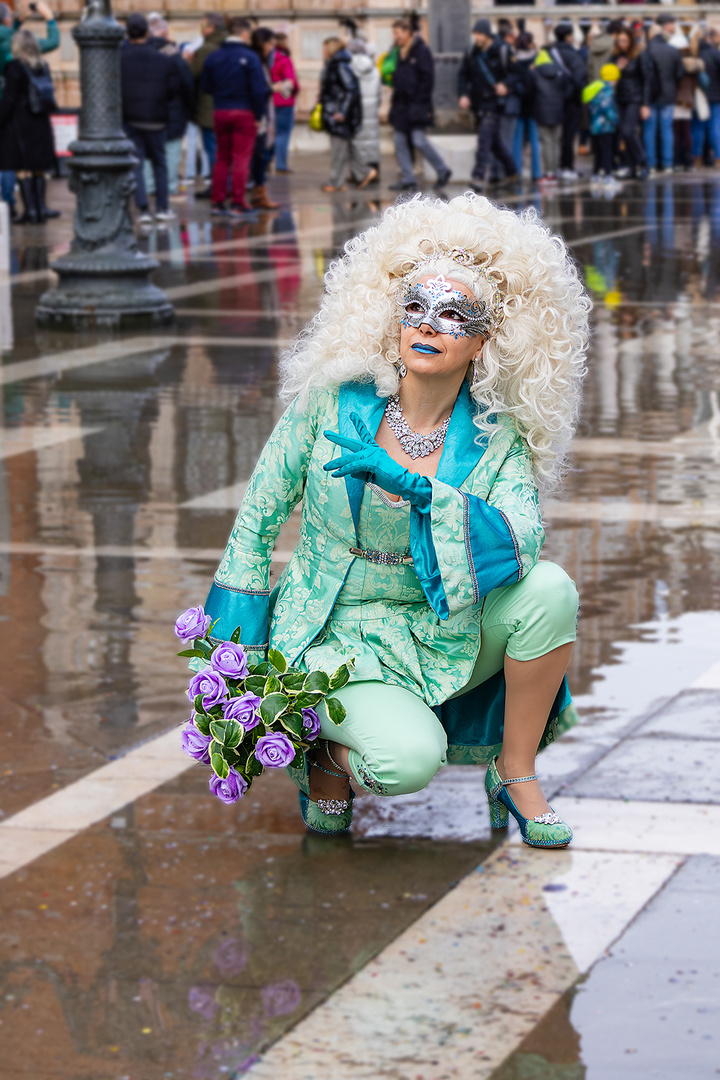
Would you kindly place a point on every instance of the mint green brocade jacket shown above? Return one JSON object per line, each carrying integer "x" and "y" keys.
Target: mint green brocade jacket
{"x": 482, "y": 531}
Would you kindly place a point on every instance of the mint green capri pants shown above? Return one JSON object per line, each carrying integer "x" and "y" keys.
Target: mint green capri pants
{"x": 396, "y": 738}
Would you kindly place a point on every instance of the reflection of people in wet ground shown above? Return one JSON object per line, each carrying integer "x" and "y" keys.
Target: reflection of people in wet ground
{"x": 432, "y": 395}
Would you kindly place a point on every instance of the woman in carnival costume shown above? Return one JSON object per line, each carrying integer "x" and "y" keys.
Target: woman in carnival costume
{"x": 432, "y": 396}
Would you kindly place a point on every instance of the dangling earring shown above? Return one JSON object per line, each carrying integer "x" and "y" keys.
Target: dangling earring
{"x": 401, "y": 370}
{"x": 476, "y": 368}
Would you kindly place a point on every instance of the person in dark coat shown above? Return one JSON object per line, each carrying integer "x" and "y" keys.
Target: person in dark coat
{"x": 180, "y": 107}
{"x": 628, "y": 98}
{"x": 662, "y": 69}
{"x": 575, "y": 69}
{"x": 549, "y": 88}
{"x": 411, "y": 107}
{"x": 27, "y": 146}
{"x": 149, "y": 81}
{"x": 484, "y": 84}
{"x": 703, "y": 130}
{"x": 342, "y": 114}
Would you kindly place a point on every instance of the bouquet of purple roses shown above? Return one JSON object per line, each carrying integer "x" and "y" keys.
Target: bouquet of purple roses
{"x": 250, "y": 717}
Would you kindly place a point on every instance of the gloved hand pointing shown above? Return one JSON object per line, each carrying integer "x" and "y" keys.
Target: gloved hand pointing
{"x": 369, "y": 462}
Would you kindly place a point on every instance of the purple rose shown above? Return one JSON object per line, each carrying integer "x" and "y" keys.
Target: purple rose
{"x": 194, "y": 743}
{"x": 281, "y": 998}
{"x": 274, "y": 751}
{"x": 230, "y": 957}
{"x": 231, "y": 660}
{"x": 311, "y": 724}
{"x": 229, "y": 790}
{"x": 211, "y": 685}
{"x": 192, "y": 623}
{"x": 201, "y": 999}
{"x": 243, "y": 709}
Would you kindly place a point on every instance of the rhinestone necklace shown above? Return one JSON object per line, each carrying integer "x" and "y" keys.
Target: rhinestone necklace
{"x": 413, "y": 443}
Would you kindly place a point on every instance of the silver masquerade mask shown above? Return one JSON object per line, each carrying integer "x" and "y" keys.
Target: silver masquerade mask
{"x": 446, "y": 310}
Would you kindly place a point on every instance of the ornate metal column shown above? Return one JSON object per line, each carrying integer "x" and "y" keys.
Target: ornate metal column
{"x": 104, "y": 278}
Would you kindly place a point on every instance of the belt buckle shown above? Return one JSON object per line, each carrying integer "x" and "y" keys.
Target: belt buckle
{"x": 381, "y": 558}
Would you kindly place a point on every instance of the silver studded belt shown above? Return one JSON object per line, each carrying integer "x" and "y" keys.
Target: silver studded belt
{"x": 386, "y": 558}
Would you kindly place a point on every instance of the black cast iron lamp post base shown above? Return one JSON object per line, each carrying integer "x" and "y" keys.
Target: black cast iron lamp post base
{"x": 105, "y": 278}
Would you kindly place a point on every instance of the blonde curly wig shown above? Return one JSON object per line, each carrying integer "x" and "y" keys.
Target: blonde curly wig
{"x": 531, "y": 367}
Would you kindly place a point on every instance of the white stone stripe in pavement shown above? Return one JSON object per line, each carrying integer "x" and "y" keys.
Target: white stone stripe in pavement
{"x": 65, "y": 551}
{"x": 668, "y": 515}
{"x": 15, "y": 441}
{"x": 457, "y": 992}
{"x": 54, "y": 363}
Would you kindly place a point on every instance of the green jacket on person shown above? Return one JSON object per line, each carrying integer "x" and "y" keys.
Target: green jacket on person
{"x": 47, "y": 44}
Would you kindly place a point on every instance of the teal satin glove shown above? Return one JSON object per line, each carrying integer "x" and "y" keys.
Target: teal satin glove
{"x": 369, "y": 462}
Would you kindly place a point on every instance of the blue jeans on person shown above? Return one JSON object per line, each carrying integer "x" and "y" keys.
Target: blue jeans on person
{"x": 527, "y": 130}
{"x": 7, "y": 187}
{"x": 284, "y": 122}
{"x": 703, "y": 130}
{"x": 150, "y": 144}
{"x": 210, "y": 146}
{"x": 661, "y": 116}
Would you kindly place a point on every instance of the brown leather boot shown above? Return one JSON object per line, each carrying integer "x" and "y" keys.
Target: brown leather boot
{"x": 262, "y": 200}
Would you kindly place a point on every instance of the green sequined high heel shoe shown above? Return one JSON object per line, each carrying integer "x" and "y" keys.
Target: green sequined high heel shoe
{"x": 327, "y": 816}
{"x": 546, "y": 830}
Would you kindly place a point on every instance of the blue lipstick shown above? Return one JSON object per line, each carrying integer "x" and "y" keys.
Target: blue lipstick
{"x": 429, "y": 350}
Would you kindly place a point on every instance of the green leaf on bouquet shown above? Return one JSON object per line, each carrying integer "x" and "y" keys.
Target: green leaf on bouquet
{"x": 292, "y": 722}
{"x": 294, "y": 682}
{"x": 272, "y": 706}
{"x": 317, "y": 682}
{"x": 193, "y": 652}
{"x": 206, "y": 649}
{"x": 253, "y": 767}
{"x": 227, "y": 732}
{"x": 219, "y": 764}
{"x": 272, "y": 686}
{"x": 202, "y": 723}
{"x": 261, "y": 669}
{"x": 307, "y": 701}
{"x": 277, "y": 660}
{"x": 235, "y": 636}
{"x": 335, "y": 710}
{"x": 297, "y": 760}
{"x": 198, "y": 705}
{"x": 340, "y": 677}
{"x": 255, "y": 684}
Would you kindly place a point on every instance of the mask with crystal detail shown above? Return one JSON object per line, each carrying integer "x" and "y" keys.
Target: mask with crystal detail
{"x": 446, "y": 310}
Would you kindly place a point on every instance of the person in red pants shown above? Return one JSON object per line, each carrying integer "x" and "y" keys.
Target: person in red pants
{"x": 233, "y": 75}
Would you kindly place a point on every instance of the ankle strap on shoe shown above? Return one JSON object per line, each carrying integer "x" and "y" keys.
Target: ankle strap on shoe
{"x": 503, "y": 783}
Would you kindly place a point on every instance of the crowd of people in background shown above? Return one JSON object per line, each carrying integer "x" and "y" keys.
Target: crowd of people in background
{"x": 641, "y": 97}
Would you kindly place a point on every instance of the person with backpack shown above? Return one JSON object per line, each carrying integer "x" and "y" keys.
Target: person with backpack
{"x": 483, "y": 86}
{"x": 662, "y": 69}
{"x": 549, "y": 87}
{"x": 574, "y": 67}
{"x": 342, "y": 114}
{"x": 10, "y": 22}
{"x": 27, "y": 146}
{"x": 599, "y": 96}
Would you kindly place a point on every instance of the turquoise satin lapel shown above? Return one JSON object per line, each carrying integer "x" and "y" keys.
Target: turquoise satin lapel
{"x": 360, "y": 398}
{"x": 460, "y": 452}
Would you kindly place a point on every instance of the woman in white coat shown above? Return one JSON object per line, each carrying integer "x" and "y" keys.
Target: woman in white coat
{"x": 367, "y": 139}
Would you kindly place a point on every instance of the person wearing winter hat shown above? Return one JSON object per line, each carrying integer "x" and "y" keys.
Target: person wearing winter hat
{"x": 484, "y": 82}
{"x": 599, "y": 96}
